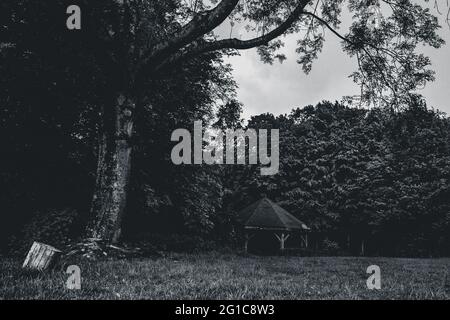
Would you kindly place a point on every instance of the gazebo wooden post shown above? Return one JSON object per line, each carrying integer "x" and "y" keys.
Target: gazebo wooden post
{"x": 282, "y": 239}
{"x": 304, "y": 239}
{"x": 247, "y": 239}
{"x": 246, "y": 243}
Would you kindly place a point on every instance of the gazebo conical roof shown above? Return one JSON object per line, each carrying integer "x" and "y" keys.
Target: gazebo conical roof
{"x": 264, "y": 214}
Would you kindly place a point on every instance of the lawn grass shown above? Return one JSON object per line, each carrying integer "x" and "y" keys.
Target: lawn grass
{"x": 228, "y": 276}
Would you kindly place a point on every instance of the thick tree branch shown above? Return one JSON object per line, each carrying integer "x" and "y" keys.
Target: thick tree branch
{"x": 256, "y": 42}
{"x": 200, "y": 25}
{"x": 201, "y": 47}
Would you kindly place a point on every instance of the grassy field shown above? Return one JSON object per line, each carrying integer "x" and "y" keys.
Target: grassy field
{"x": 227, "y": 276}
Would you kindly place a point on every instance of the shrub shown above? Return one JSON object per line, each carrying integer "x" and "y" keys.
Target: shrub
{"x": 54, "y": 227}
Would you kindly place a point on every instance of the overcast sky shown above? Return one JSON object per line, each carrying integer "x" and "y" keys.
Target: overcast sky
{"x": 279, "y": 87}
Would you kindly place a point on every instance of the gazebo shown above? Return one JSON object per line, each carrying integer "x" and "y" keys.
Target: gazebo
{"x": 265, "y": 215}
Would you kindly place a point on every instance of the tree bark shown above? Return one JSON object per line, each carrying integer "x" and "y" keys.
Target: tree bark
{"x": 113, "y": 171}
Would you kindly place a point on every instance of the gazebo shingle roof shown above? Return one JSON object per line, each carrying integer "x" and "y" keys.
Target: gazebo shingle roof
{"x": 265, "y": 214}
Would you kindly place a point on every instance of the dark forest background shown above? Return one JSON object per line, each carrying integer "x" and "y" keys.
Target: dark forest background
{"x": 348, "y": 173}
{"x": 379, "y": 176}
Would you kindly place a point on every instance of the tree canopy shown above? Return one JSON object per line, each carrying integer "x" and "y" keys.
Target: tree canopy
{"x": 391, "y": 66}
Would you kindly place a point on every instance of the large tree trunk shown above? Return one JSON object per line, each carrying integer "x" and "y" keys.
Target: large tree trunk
{"x": 113, "y": 171}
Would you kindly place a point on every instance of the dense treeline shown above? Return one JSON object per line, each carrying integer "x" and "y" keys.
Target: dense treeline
{"x": 357, "y": 176}
{"x": 354, "y": 176}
